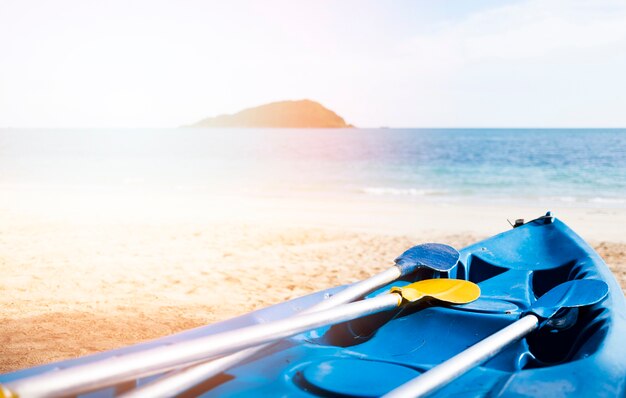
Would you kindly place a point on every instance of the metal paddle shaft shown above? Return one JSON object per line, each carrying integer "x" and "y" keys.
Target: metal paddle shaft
{"x": 442, "y": 257}
{"x": 444, "y": 373}
{"x": 115, "y": 370}
{"x": 434, "y": 256}
{"x": 571, "y": 294}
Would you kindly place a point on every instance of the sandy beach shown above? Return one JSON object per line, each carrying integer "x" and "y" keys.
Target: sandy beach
{"x": 82, "y": 273}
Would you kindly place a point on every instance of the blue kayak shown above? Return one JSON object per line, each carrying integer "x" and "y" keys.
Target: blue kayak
{"x": 371, "y": 356}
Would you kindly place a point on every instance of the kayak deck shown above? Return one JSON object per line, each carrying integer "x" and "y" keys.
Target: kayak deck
{"x": 372, "y": 355}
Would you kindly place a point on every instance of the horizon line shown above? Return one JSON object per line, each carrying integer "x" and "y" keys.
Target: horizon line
{"x": 325, "y": 128}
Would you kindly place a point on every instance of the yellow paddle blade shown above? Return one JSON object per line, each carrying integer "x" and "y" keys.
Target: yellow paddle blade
{"x": 455, "y": 291}
{"x": 5, "y": 393}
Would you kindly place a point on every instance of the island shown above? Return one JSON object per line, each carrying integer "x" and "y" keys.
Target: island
{"x": 283, "y": 114}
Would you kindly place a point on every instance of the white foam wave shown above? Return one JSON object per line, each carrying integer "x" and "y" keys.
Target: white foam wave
{"x": 402, "y": 191}
{"x": 608, "y": 200}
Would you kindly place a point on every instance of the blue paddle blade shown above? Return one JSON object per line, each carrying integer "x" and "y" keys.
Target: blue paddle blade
{"x": 435, "y": 256}
{"x": 576, "y": 293}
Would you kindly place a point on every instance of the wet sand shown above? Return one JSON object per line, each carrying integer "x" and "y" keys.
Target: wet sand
{"x": 86, "y": 274}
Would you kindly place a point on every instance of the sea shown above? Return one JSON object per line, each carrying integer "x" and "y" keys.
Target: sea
{"x": 575, "y": 167}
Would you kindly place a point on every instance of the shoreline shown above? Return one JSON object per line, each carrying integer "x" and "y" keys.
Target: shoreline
{"x": 358, "y": 212}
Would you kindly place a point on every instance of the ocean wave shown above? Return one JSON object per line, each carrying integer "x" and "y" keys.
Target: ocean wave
{"x": 402, "y": 191}
{"x": 565, "y": 199}
{"x": 582, "y": 200}
{"x": 608, "y": 200}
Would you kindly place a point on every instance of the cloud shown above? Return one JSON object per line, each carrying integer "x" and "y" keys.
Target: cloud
{"x": 524, "y": 30}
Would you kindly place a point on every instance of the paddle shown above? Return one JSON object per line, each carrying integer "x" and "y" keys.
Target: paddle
{"x": 571, "y": 294}
{"x": 428, "y": 256}
{"x": 118, "y": 369}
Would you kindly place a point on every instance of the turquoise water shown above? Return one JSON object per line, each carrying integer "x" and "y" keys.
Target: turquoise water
{"x": 578, "y": 166}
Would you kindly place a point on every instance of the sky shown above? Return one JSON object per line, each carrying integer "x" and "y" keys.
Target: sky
{"x": 447, "y": 63}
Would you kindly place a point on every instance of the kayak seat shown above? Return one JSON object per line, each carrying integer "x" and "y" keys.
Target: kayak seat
{"x": 590, "y": 324}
